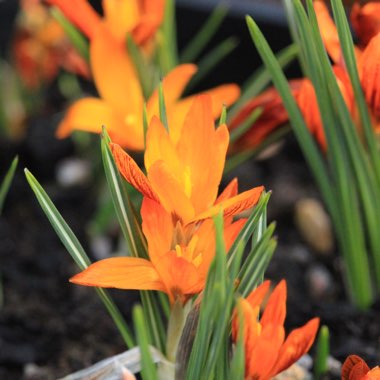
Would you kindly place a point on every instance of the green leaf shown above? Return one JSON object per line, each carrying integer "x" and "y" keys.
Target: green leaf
{"x": 322, "y": 353}
{"x": 6, "y": 182}
{"x": 246, "y": 125}
{"x": 162, "y": 107}
{"x": 148, "y": 371}
{"x": 198, "y": 43}
{"x": 77, "y": 39}
{"x": 124, "y": 210}
{"x": 70, "y": 241}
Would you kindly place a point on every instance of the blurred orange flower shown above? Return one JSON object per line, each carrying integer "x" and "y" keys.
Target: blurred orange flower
{"x": 366, "y": 23}
{"x": 40, "y": 46}
{"x": 179, "y": 258}
{"x": 267, "y": 352}
{"x": 120, "y": 106}
{"x": 355, "y": 368}
{"x": 140, "y": 18}
{"x": 184, "y": 166}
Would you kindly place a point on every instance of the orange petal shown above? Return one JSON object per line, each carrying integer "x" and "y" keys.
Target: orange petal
{"x": 257, "y": 296}
{"x": 158, "y": 228}
{"x": 116, "y": 78}
{"x": 170, "y": 192}
{"x": 132, "y": 173}
{"x": 121, "y": 16}
{"x": 365, "y": 21}
{"x": 252, "y": 326}
{"x": 88, "y": 114}
{"x": 160, "y": 147}
{"x": 264, "y": 353}
{"x": 153, "y": 14}
{"x": 181, "y": 277}
{"x": 354, "y": 368}
{"x": 370, "y": 74}
{"x": 230, "y": 191}
{"x": 80, "y": 13}
{"x": 121, "y": 273}
{"x": 275, "y": 310}
{"x": 200, "y": 143}
{"x": 296, "y": 344}
{"x": 234, "y": 205}
{"x": 173, "y": 86}
{"x": 328, "y": 31}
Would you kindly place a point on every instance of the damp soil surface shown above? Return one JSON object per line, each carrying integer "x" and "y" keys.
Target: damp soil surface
{"x": 49, "y": 327}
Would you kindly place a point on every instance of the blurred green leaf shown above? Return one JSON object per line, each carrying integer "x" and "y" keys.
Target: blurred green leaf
{"x": 6, "y": 182}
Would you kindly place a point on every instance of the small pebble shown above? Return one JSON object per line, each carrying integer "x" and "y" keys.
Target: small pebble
{"x": 73, "y": 172}
{"x": 314, "y": 225}
{"x": 33, "y": 372}
{"x": 295, "y": 372}
{"x": 320, "y": 282}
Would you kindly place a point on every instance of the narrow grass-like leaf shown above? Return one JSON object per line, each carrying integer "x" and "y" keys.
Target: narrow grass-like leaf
{"x": 346, "y": 43}
{"x": 211, "y": 59}
{"x": 143, "y": 69}
{"x": 253, "y": 269}
{"x": 223, "y": 116}
{"x": 6, "y": 182}
{"x": 261, "y": 78}
{"x": 307, "y": 143}
{"x": 123, "y": 206}
{"x": 148, "y": 371}
{"x": 76, "y": 38}
{"x": 191, "y": 52}
{"x": 249, "y": 227}
{"x": 322, "y": 353}
{"x": 167, "y": 44}
{"x": 162, "y": 107}
{"x": 75, "y": 249}
{"x": 237, "y": 369}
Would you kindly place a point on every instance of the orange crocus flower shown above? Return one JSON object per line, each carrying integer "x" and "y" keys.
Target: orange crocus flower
{"x": 120, "y": 106}
{"x": 179, "y": 258}
{"x": 355, "y": 368}
{"x": 267, "y": 352}
{"x": 41, "y": 48}
{"x": 140, "y": 18}
{"x": 184, "y": 166}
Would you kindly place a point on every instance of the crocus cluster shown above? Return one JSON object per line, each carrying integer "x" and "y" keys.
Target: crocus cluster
{"x": 365, "y": 21}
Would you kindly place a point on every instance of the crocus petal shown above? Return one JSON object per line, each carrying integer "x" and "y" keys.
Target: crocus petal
{"x": 275, "y": 310}
{"x": 132, "y": 173}
{"x": 90, "y": 114}
{"x": 181, "y": 277}
{"x": 296, "y": 344}
{"x": 234, "y": 205}
{"x": 200, "y": 143}
{"x": 80, "y": 13}
{"x": 153, "y": 14}
{"x": 121, "y": 273}
{"x": 257, "y": 296}
{"x": 328, "y": 31}
{"x": 354, "y": 368}
{"x": 170, "y": 192}
{"x": 173, "y": 86}
{"x": 121, "y": 16}
{"x": 229, "y": 191}
{"x": 365, "y": 21}
{"x": 160, "y": 147}
{"x": 116, "y": 78}
{"x": 261, "y": 359}
{"x": 370, "y": 74}
{"x": 157, "y": 227}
